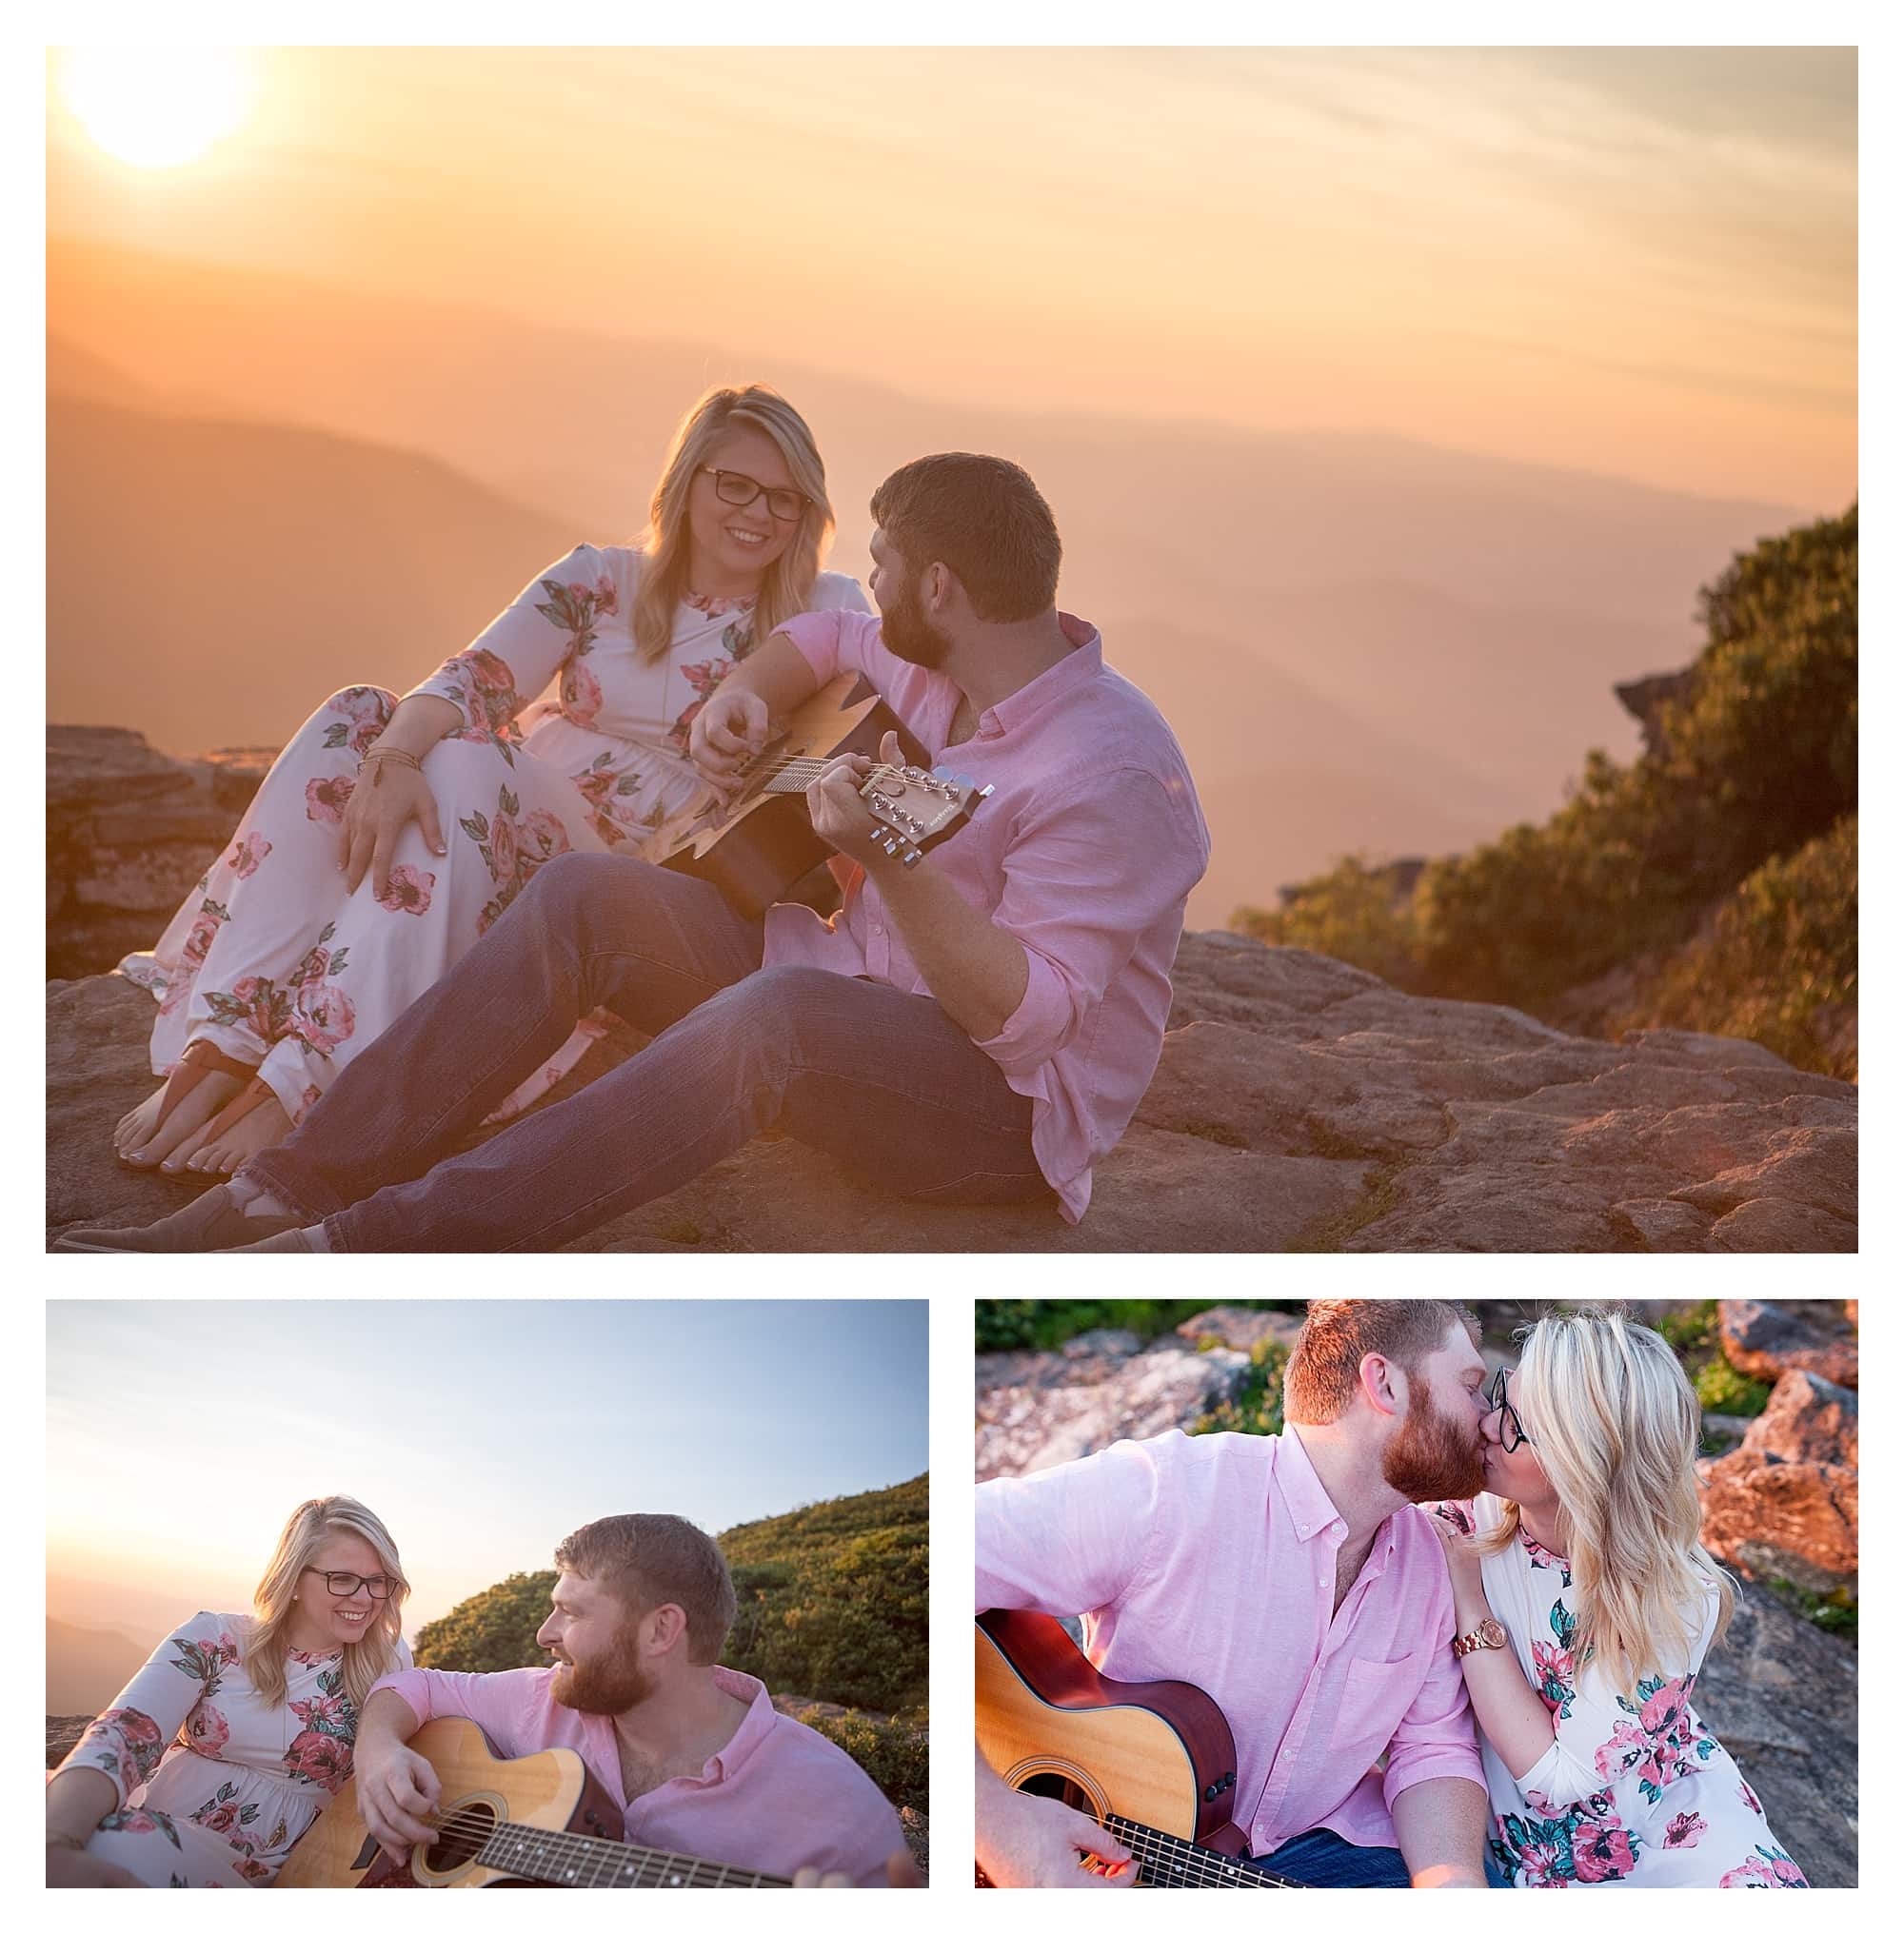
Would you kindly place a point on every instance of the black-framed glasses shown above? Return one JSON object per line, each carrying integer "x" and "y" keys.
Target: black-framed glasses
{"x": 1510, "y": 1417}
{"x": 345, "y": 1584}
{"x": 738, "y": 488}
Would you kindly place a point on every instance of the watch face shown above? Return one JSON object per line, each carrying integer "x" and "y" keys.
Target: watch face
{"x": 1494, "y": 1634}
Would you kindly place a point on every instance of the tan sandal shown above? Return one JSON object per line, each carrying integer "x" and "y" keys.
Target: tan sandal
{"x": 199, "y": 1059}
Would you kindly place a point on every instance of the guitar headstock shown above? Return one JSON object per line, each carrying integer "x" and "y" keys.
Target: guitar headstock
{"x": 915, "y": 809}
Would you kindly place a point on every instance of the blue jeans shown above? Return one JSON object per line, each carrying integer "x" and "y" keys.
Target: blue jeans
{"x": 1322, "y": 1859}
{"x": 885, "y": 1081}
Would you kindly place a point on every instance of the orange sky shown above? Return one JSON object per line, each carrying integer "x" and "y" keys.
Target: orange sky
{"x": 1639, "y": 262}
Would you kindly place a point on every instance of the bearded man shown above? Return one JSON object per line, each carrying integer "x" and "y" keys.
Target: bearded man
{"x": 1287, "y": 1578}
{"x": 695, "y": 1755}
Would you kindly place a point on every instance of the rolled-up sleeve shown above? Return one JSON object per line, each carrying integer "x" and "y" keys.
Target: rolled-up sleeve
{"x": 1067, "y": 1540}
{"x": 1090, "y": 873}
{"x": 831, "y": 642}
{"x": 500, "y": 1703}
{"x": 1435, "y": 1739}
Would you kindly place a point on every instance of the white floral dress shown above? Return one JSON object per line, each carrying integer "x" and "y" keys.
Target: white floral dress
{"x": 1634, "y": 1790}
{"x": 270, "y": 960}
{"x": 214, "y": 1784}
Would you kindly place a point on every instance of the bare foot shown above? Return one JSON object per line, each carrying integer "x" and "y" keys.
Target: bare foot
{"x": 139, "y": 1142}
{"x": 219, "y": 1150}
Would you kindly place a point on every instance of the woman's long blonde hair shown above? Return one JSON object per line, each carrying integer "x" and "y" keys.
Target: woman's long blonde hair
{"x": 1615, "y": 1426}
{"x": 788, "y": 583}
{"x": 267, "y": 1642}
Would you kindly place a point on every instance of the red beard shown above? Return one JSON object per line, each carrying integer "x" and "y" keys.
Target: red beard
{"x": 611, "y": 1684}
{"x": 1432, "y": 1455}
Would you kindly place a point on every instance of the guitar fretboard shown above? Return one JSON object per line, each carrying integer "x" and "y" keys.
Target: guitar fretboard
{"x": 573, "y": 1859}
{"x": 1169, "y": 1862}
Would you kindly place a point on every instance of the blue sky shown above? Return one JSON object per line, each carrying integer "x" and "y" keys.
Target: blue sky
{"x": 180, "y": 1435}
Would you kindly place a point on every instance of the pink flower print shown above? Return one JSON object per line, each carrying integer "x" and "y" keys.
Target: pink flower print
{"x": 312, "y": 1095}
{"x": 606, "y": 601}
{"x": 1664, "y": 1709}
{"x": 251, "y": 1006}
{"x": 1603, "y": 1850}
{"x": 319, "y": 1757}
{"x": 325, "y": 799}
{"x": 220, "y": 1820}
{"x": 244, "y": 857}
{"x": 503, "y": 849}
{"x": 1752, "y": 1873}
{"x": 1684, "y": 1829}
{"x": 544, "y": 834}
{"x": 207, "y": 1731}
{"x": 581, "y": 694}
{"x": 251, "y": 1869}
{"x": 197, "y": 945}
{"x": 1554, "y": 1675}
{"x": 133, "y": 1744}
{"x": 1544, "y": 1864}
{"x": 1626, "y": 1749}
{"x": 324, "y": 1015}
{"x": 1749, "y": 1798}
{"x": 408, "y": 891}
{"x": 367, "y": 713}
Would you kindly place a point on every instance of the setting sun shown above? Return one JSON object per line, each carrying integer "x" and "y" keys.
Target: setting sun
{"x": 157, "y": 107}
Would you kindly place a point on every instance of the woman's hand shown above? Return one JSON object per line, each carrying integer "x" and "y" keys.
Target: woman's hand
{"x": 388, "y": 796}
{"x": 68, "y": 1867}
{"x": 1459, "y": 1547}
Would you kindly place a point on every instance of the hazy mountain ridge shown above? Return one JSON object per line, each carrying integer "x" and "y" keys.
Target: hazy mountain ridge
{"x": 1465, "y": 616}
{"x": 86, "y": 1665}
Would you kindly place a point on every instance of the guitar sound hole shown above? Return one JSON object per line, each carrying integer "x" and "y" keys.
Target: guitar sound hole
{"x": 458, "y": 1835}
{"x": 1056, "y": 1787}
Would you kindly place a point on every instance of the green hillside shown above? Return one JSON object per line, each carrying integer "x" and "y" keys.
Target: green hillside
{"x": 832, "y": 1605}
{"x": 1716, "y": 876}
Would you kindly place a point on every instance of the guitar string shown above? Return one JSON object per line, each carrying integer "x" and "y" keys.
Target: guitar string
{"x": 1216, "y": 1869}
{"x": 543, "y": 1852}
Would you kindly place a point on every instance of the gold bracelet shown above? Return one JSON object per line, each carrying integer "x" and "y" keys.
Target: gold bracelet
{"x": 377, "y": 752}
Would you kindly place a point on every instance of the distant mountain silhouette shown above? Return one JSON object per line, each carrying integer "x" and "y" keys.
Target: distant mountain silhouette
{"x": 1429, "y": 636}
{"x": 85, "y": 1666}
{"x": 208, "y": 584}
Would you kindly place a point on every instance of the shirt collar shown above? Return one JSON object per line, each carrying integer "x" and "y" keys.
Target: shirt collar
{"x": 752, "y": 1732}
{"x": 1084, "y": 661}
{"x": 1311, "y": 1510}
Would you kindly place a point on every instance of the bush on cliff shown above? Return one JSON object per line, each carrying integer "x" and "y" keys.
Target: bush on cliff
{"x": 1756, "y": 761}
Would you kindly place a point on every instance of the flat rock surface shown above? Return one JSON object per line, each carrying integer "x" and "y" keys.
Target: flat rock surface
{"x": 1299, "y": 1104}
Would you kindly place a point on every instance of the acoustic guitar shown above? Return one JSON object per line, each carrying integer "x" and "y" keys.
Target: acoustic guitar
{"x": 1153, "y": 1765}
{"x": 542, "y": 1821}
{"x": 762, "y": 843}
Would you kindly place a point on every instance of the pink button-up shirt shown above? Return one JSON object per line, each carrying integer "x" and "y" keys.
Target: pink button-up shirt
{"x": 777, "y": 1797}
{"x": 1085, "y": 854}
{"x": 1213, "y": 1560}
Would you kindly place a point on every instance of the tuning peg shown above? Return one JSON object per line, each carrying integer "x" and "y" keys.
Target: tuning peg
{"x": 987, "y": 792}
{"x": 911, "y": 858}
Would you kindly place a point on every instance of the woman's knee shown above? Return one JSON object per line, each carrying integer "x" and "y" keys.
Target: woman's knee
{"x": 350, "y": 720}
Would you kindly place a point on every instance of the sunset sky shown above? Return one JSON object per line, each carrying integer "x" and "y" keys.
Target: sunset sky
{"x": 1635, "y": 262}
{"x": 180, "y": 1435}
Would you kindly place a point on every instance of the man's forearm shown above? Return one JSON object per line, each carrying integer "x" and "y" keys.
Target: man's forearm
{"x": 976, "y": 972}
{"x": 1441, "y": 1827}
{"x": 386, "y": 1720}
{"x": 778, "y": 674}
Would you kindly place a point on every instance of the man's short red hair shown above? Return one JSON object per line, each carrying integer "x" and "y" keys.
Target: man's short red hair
{"x": 1321, "y": 1381}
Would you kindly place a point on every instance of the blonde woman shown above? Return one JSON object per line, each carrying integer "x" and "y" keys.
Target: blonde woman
{"x": 389, "y": 835}
{"x": 231, "y": 1737}
{"x": 1584, "y": 1611}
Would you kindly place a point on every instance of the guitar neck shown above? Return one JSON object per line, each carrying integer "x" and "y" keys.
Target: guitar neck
{"x": 1169, "y": 1862}
{"x": 791, "y": 775}
{"x": 575, "y": 1859}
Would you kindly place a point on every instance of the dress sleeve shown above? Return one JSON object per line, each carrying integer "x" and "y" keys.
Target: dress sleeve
{"x": 1093, "y": 869}
{"x": 1068, "y": 1540}
{"x": 129, "y": 1738}
{"x": 553, "y": 620}
{"x": 1600, "y": 1733}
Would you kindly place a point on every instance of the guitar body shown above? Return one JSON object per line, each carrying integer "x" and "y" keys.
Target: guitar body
{"x": 551, "y": 1791}
{"x": 1158, "y": 1754}
{"x": 766, "y": 843}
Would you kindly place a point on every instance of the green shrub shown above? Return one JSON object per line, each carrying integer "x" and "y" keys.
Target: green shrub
{"x": 892, "y": 1752}
{"x": 1049, "y": 1322}
{"x": 1720, "y": 1387}
{"x": 1692, "y": 1330}
{"x": 1781, "y": 963}
{"x": 1256, "y": 1407}
{"x": 1756, "y": 761}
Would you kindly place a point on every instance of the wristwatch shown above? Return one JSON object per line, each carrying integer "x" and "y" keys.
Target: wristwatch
{"x": 1490, "y": 1633}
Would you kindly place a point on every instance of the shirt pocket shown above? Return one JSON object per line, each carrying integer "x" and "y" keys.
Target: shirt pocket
{"x": 1375, "y": 1697}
